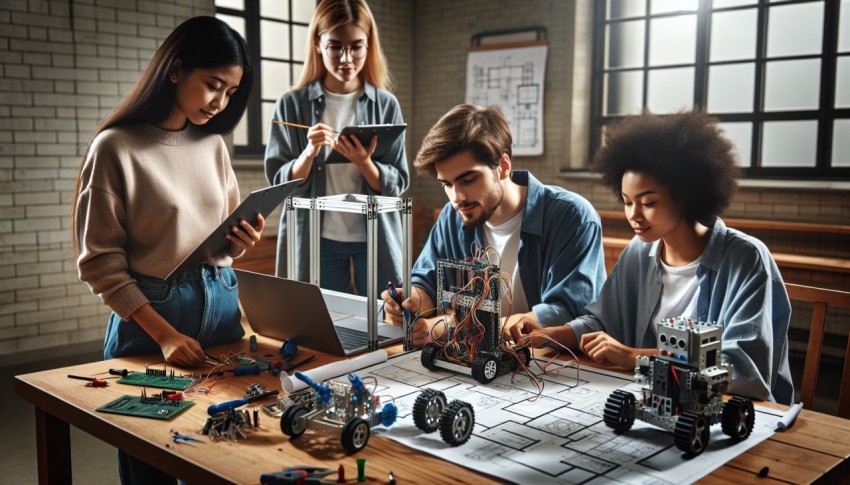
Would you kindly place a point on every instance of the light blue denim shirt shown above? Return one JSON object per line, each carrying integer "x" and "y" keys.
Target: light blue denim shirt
{"x": 286, "y": 143}
{"x": 740, "y": 288}
{"x": 560, "y": 257}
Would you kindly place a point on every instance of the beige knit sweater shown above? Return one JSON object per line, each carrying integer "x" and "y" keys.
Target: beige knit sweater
{"x": 148, "y": 198}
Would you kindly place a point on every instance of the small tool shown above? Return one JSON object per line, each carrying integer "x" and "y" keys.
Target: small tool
{"x": 288, "y": 350}
{"x": 397, "y": 298}
{"x": 297, "y": 474}
{"x": 93, "y": 381}
{"x": 214, "y": 358}
{"x": 228, "y": 405}
{"x": 177, "y": 438}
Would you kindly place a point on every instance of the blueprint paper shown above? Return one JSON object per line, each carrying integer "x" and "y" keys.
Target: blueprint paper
{"x": 512, "y": 79}
{"x": 557, "y": 436}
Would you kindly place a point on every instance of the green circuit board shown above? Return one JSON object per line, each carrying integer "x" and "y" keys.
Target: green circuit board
{"x": 157, "y": 381}
{"x": 153, "y": 408}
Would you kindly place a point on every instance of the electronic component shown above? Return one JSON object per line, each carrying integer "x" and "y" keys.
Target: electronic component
{"x": 156, "y": 406}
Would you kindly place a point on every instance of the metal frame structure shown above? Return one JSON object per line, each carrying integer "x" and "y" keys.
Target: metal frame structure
{"x": 370, "y": 206}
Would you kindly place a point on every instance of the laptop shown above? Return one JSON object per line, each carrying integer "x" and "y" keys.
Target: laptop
{"x": 282, "y": 308}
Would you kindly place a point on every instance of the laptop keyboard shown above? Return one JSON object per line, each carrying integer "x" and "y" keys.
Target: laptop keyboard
{"x": 353, "y": 339}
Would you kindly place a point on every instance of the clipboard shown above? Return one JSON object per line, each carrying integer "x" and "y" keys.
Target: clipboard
{"x": 263, "y": 201}
{"x": 387, "y": 135}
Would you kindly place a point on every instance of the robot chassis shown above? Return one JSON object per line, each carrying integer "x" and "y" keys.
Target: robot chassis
{"x": 682, "y": 389}
{"x": 490, "y": 360}
{"x": 348, "y": 411}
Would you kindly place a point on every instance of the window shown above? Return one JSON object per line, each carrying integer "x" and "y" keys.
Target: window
{"x": 775, "y": 72}
{"x": 276, "y": 33}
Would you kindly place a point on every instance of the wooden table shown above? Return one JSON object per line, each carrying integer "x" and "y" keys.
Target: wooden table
{"x": 815, "y": 449}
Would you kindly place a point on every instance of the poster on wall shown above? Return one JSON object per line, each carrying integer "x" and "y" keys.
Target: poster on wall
{"x": 513, "y": 80}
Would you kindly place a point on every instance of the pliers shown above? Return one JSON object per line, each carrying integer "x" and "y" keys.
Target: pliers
{"x": 298, "y": 475}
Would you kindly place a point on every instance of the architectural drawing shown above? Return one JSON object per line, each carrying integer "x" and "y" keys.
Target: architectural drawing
{"x": 513, "y": 80}
{"x": 554, "y": 436}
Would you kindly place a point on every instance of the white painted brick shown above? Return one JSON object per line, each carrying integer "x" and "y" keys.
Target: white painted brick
{"x": 86, "y": 335}
{"x": 95, "y": 38}
{"x": 83, "y": 25}
{"x": 96, "y": 324}
{"x": 56, "y": 35}
{"x": 47, "y": 237}
{"x": 15, "y": 31}
{"x": 58, "y": 279}
{"x": 107, "y": 101}
{"x": 15, "y": 257}
{"x": 7, "y": 271}
{"x": 13, "y": 239}
{"x": 136, "y": 42}
{"x": 87, "y": 50}
{"x": 155, "y": 32}
{"x": 6, "y": 137}
{"x": 17, "y": 71}
{"x": 5, "y": 175}
{"x": 63, "y": 325}
{"x": 18, "y": 332}
{"x": 35, "y": 137}
{"x": 43, "y": 341}
{"x": 44, "y": 295}
{"x": 129, "y": 64}
{"x": 164, "y": 20}
{"x": 36, "y": 317}
{"x": 86, "y": 11}
{"x": 38, "y": 6}
{"x": 81, "y": 311}
{"x": 90, "y": 62}
{"x": 11, "y": 212}
{"x": 36, "y": 198}
{"x": 127, "y": 76}
{"x": 28, "y": 186}
{"x": 67, "y": 136}
{"x": 40, "y": 46}
{"x": 69, "y": 113}
{"x": 40, "y": 224}
{"x": 53, "y": 124}
{"x": 62, "y": 60}
{"x": 8, "y": 57}
{"x": 98, "y": 88}
{"x": 132, "y": 17}
{"x": 7, "y": 123}
{"x": 7, "y": 321}
{"x": 16, "y": 99}
{"x": 33, "y": 112}
{"x": 17, "y": 284}
{"x": 56, "y": 149}
{"x": 37, "y": 33}
{"x": 63, "y": 73}
{"x": 16, "y": 149}
{"x": 37, "y": 86}
{"x": 7, "y": 298}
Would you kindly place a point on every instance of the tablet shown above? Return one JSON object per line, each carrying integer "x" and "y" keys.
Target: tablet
{"x": 387, "y": 135}
{"x": 263, "y": 201}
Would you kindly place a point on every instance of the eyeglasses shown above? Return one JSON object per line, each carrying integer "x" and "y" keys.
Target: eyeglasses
{"x": 356, "y": 51}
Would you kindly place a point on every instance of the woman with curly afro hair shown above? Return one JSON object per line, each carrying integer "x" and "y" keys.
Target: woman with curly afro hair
{"x": 675, "y": 175}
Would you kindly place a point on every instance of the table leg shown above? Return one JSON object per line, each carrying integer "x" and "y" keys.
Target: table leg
{"x": 53, "y": 440}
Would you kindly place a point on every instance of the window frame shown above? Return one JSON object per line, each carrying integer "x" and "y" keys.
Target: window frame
{"x": 256, "y": 124}
{"x": 824, "y": 115}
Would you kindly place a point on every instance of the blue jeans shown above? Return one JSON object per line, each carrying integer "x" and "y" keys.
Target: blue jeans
{"x": 335, "y": 264}
{"x": 202, "y": 303}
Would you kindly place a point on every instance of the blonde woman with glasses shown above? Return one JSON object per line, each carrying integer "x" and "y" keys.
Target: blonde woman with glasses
{"x": 344, "y": 83}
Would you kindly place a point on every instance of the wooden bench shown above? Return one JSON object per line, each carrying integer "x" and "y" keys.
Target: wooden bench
{"x": 783, "y": 259}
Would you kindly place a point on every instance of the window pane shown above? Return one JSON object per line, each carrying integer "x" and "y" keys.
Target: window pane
{"x": 625, "y": 44}
{"x": 299, "y": 42}
{"x": 302, "y": 10}
{"x": 792, "y": 85}
{"x": 732, "y": 3}
{"x": 670, "y": 90}
{"x": 733, "y": 35}
{"x": 731, "y": 88}
{"x": 234, "y": 4}
{"x": 240, "y": 133}
{"x": 841, "y": 143}
{"x": 741, "y": 135}
{"x": 268, "y": 112}
{"x": 789, "y": 144}
{"x": 667, "y": 6}
{"x": 236, "y": 23}
{"x": 296, "y": 72}
{"x": 795, "y": 29}
{"x": 844, "y": 27}
{"x": 274, "y": 39}
{"x": 275, "y": 79}
{"x": 276, "y": 9}
{"x": 624, "y": 92}
{"x": 672, "y": 40}
{"x": 842, "y": 82}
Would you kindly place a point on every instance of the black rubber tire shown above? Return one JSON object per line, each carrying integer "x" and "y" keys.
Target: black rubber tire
{"x": 738, "y": 418}
{"x": 457, "y": 423}
{"x": 289, "y": 422}
{"x": 485, "y": 368}
{"x": 691, "y": 433}
{"x": 427, "y": 409}
{"x": 619, "y": 411}
{"x": 355, "y": 435}
{"x": 428, "y": 356}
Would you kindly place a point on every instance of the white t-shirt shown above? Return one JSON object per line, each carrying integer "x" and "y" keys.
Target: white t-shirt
{"x": 342, "y": 178}
{"x": 505, "y": 239}
{"x": 679, "y": 293}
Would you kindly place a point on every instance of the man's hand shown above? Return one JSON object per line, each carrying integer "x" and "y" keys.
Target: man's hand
{"x": 394, "y": 314}
{"x": 523, "y": 328}
{"x": 605, "y": 349}
{"x": 178, "y": 349}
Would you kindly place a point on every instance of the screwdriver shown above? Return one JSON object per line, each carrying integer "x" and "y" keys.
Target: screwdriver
{"x": 93, "y": 382}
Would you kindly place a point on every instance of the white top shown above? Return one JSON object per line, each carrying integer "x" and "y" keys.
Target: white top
{"x": 505, "y": 239}
{"x": 679, "y": 292}
{"x": 342, "y": 178}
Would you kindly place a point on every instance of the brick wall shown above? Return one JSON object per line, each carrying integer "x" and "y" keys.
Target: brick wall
{"x": 61, "y": 72}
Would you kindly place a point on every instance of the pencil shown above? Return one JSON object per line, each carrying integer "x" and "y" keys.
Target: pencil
{"x": 290, "y": 124}
{"x": 296, "y": 125}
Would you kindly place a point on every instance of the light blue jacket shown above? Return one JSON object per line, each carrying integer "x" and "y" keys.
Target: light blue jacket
{"x": 740, "y": 288}
{"x": 560, "y": 257}
{"x": 306, "y": 106}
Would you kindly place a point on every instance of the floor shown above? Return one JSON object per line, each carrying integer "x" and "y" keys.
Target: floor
{"x": 92, "y": 460}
